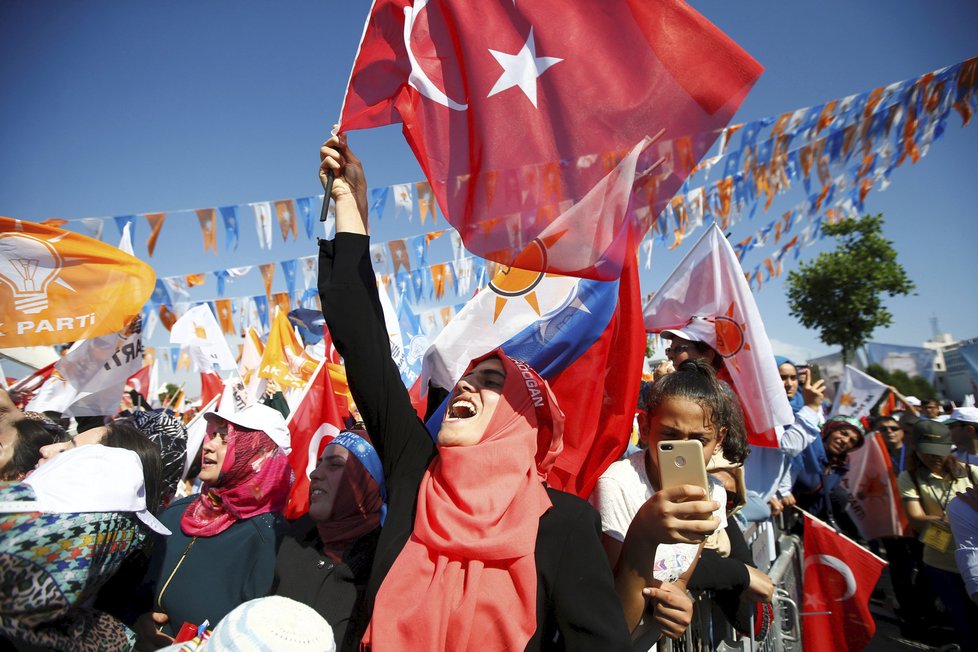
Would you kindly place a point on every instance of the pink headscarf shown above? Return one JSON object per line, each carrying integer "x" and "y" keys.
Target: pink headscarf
{"x": 472, "y": 549}
{"x": 254, "y": 479}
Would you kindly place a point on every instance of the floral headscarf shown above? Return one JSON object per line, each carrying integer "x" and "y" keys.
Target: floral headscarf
{"x": 254, "y": 479}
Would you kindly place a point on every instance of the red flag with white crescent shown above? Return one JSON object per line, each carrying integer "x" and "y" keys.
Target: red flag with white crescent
{"x": 314, "y": 422}
{"x": 839, "y": 578}
{"x": 544, "y": 119}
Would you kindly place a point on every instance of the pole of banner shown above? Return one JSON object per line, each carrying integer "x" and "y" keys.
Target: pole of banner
{"x": 169, "y": 399}
{"x": 329, "y": 191}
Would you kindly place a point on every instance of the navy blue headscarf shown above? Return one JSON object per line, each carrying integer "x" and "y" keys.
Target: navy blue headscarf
{"x": 797, "y": 401}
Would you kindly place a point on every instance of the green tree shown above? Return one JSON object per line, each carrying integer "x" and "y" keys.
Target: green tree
{"x": 168, "y": 392}
{"x": 840, "y": 293}
{"x": 905, "y": 384}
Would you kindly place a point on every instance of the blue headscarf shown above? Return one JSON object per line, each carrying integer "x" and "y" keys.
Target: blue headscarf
{"x": 367, "y": 454}
{"x": 797, "y": 401}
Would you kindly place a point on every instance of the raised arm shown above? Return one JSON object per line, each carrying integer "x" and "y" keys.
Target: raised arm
{"x": 351, "y": 306}
{"x": 349, "y": 190}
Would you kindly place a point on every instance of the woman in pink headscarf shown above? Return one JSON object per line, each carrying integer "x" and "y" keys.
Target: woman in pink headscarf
{"x": 225, "y": 539}
{"x": 476, "y": 551}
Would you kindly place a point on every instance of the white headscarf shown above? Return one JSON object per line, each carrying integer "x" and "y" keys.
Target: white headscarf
{"x": 91, "y": 478}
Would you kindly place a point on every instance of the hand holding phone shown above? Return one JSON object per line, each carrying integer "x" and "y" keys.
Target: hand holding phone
{"x": 681, "y": 462}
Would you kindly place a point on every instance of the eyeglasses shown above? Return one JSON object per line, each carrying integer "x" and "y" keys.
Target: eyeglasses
{"x": 678, "y": 349}
{"x": 885, "y": 429}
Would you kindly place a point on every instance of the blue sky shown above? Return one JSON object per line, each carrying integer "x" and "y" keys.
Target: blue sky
{"x": 114, "y": 108}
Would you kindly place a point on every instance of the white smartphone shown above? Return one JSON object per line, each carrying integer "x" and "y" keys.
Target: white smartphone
{"x": 681, "y": 462}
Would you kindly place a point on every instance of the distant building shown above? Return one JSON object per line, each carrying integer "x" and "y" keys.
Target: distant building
{"x": 955, "y": 367}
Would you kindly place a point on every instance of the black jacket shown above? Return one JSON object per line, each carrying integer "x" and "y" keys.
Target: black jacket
{"x": 577, "y": 607}
{"x": 306, "y": 574}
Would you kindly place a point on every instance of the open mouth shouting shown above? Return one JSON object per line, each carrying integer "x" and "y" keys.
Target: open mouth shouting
{"x": 461, "y": 408}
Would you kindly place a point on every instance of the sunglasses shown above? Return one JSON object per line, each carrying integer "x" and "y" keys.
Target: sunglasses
{"x": 885, "y": 429}
{"x": 678, "y": 349}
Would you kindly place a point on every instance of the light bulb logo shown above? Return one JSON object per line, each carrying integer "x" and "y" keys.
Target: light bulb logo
{"x": 27, "y": 267}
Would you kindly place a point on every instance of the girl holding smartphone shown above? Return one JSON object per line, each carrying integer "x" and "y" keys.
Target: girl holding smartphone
{"x": 644, "y": 520}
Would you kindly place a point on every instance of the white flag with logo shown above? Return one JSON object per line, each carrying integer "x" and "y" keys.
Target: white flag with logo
{"x": 857, "y": 393}
{"x": 709, "y": 284}
{"x": 198, "y": 329}
{"x": 90, "y": 379}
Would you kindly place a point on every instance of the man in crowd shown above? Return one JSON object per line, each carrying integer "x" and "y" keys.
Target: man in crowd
{"x": 963, "y": 423}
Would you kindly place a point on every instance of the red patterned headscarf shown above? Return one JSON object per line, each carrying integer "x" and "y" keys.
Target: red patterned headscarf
{"x": 472, "y": 549}
{"x": 254, "y": 479}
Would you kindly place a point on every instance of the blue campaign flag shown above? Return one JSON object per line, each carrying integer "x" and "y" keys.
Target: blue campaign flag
{"x": 229, "y": 214}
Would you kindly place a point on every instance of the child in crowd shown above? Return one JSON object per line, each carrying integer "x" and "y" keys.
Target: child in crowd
{"x": 652, "y": 536}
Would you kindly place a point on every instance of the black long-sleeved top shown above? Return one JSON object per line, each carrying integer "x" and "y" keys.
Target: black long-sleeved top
{"x": 336, "y": 591}
{"x": 577, "y": 607}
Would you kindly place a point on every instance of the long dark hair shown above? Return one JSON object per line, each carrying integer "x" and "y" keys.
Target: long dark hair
{"x": 123, "y": 434}
{"x": 696, "y": 381}
{"x": 32, "y": 434}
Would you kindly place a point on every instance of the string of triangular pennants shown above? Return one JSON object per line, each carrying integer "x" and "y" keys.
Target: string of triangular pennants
{"x": 851, "y": 144}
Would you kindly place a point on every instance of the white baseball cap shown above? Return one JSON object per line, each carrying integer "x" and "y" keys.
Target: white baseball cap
{"x": 258, "y": 417}
{"x": 697, "y": 329}
{"x": 963, "y": 415}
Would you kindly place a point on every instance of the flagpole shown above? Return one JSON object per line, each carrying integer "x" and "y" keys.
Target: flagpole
{"x": 170, "y": 398}
{"x": 836, "y": 530}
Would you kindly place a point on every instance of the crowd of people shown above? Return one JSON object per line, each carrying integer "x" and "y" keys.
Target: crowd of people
{"x": 450, "y": 540}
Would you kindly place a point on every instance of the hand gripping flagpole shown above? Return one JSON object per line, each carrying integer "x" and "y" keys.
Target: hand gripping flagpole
{"x": 329, "y": 185}
{"x": 329, "y": 191}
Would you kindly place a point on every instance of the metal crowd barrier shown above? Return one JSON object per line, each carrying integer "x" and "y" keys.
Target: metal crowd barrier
{"x": 779, "y": 554}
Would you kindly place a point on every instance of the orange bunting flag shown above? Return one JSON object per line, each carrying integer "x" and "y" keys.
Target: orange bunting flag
{"x": 284, "y": 359}
{"x": 184, "y": 361}
{"x": 193, "y": 280}
{"x": 208, "y": 228}
{"x": 156, "y": 225}
{"x": 57, "y": 286}
{"x": 399, "y": 255}
{"x": 426, "y": 201}
{"x": 224, "y": 315}
{"x": 439, "y": 276}
{"x": 54, "y": 221}
{"x": 167, "y": 317}
{"x": 285, "y": 211}
{"x": 283, "y": 301}
{"x": 268, "y": 275}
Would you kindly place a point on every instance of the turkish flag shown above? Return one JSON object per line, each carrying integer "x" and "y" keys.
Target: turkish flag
{"x": 567, "y": 124}
{"x": 709, "y": 286}
{"x": 312, "y": 424}
{"x": 211, "y": 386}
{"x": 139, "y": 381}
{"x": 838, "y": 579}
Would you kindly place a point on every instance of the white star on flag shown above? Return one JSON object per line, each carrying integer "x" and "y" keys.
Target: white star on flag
{"x": 522, "y": 69}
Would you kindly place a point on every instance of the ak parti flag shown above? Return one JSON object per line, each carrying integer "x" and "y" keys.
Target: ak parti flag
{"x": 284, "y": 359}
{"x": 857, "y": 394}
{"x": 839, "y": 578}
{"x": 709, "y": 285}
{"x": 313, "y": 422}
{"x": 874, "y": 504}
{"x": 585, "y": 337}
{"x": 57, "y": 286}
{"x": 536, "y": 120}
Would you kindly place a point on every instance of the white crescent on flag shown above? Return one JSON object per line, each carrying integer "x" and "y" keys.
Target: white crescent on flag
{"x": 838, "y": 565}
